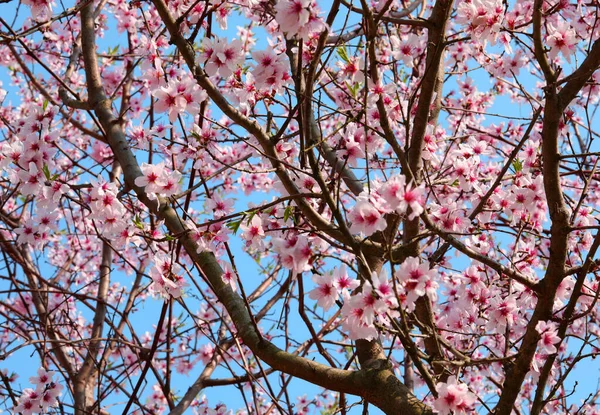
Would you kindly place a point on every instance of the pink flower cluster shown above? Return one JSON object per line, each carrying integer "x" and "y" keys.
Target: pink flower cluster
{"x": 483, "y": 18}
{"x": 157, "y": 179}
{"x": 221, "y": 57}
{"x": 107, "y": 210}
{"x": 44, "y": 396}
{"x": 395, "y": 195}
{"x": 271, "y": 71}
{"x": 376, "y": 300}
{"x": 295, "y": 252}
{"x": 454, "y": 398}
{"x": 548, "y": 337}
{"x": 40, "y": 9}
{"x": 167, "y": 277}
{"x": 417, "y": 281}
{"x": 331, "y": 285}
{"x": 298, "y": 17}
{"x": 562, "y": 39}
{"x": 253, "y": 234}
{"x": 179, "y": 97}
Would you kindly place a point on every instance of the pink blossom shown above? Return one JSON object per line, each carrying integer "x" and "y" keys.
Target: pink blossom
{"x": 326, "y": 292}
{"x": 168, "y": 99}
{"x": 253, "y": 231}
{"x": 32, "y": 180}
{"x": 292, "y": 15}
{"x": 221, "y": 57}
{"x": 548, "y": 337}
{"x": 561, "y": 38}
{"x": 343, "y": 282}
{"x": 152, "y": 177}
{"x": 219, "y": 206}
{"x": 454, "y": 398}
{"x": 366, "y": 218}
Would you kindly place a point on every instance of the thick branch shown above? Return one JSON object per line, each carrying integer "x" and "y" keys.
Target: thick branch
{"x": 379, "y": 386}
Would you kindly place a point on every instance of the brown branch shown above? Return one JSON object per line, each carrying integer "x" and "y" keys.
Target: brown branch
{"x": 379, "y": 386}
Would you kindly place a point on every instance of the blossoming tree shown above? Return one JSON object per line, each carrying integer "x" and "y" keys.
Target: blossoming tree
{"x": 394, "y": 201}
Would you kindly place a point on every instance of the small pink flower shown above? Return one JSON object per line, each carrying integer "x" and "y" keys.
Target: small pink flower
{"x": 548, "y": 337}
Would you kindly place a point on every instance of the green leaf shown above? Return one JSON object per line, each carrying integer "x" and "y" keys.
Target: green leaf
{"x": 517, "y": 165}
{"x": 235, "y": 225}
{"x": 46, "y": 172}
{"x": 196, "y": 136}
{"x": 169, "y": 238}
{"x": 343, "y": 54}
{"x": 251, "y": 214}
{"x": 354, "y": 89}
{"x": 138, "y": 222}
{"x": 45, "y": 105}
{"x": 287, "y": 213}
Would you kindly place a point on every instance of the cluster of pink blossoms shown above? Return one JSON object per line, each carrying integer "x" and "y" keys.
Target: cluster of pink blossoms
{"x": 483, "y": 18}
{"x": 108, "y": 212}
{"x": 271, "y": 71}
{"x": 298, "y": 17}
{"x": 28, "y": 159}
{"x": 158, "y": 180}
{"x": 561, "y": 39}
{"x": 179, "y": 97}
{"x": 549, "y": 337}
{"x": 454, "y": 398}
{"x": 417, "y": 280}
{"x": 295, "y": 251}
{"x": 331, "y": 285}
{"x": 375, "y": 301}
{"x": 201, "y": 407}
{"x": 395, "y": 195}
{"x": 44, "y": 396}
{"x": 41, "y": 10}
{"x": 221, "y": 57}
{"x": 167, "y": 277}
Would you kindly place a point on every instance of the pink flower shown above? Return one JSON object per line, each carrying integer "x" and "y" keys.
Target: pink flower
{"x": 502, "y": 313}
{"x": 417, "y": 280}
{"x": 343, "y": 282}
{"x": 167, "y": 278}
{"x": 292, "y": 15}
{"x": 219, "y": 206}
{"x": 365, "y": 217}
{"x": 411, "y": 200}
{"x": 271, "y": 70}
{"x": 548, "y": 337}
{"x": 298, "y": 17}
{"x": 26, "y": 232}
{"x": 454, "y": 398}
{"x": 42, "y": 378}
{"x": 206, "y": 353}
{"x": 360, "y": 312}
{"x": 326, "y": 292}
{"x": 220, "y": 57}
{"x": 482, "y": 17}
{"x": 229, "y": 276}
{"x": 561, "y": 38}
{"x": 168, "y": 99}
{"x": 295, "y": 252}
{"x": 253, "y": 231}
{"x": 32, "y": 180}
{"x": 40, "y": 9}
{"x": 171, "y": 185}
{"x": 403, "y": 197}
{"x": 153, "y": 177}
